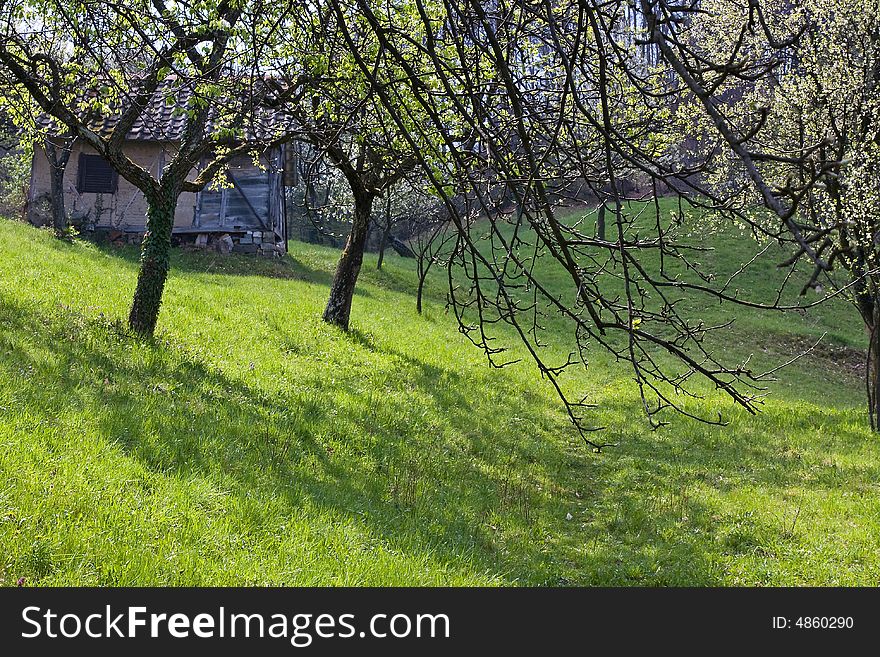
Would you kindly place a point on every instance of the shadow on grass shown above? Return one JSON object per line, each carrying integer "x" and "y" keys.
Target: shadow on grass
{"x": 428, "y": 472}
{"x": 439, "y": 462}
{"x": 233, "y": 264}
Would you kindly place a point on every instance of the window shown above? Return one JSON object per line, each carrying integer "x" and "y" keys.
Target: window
{"x": 95, "y": 175}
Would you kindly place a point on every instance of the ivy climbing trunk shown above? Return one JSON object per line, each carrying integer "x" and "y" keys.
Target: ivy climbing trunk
{"x": 155, "y": 252}
{"x": 338, "y": 309}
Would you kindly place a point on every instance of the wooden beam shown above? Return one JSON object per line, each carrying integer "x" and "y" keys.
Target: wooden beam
{"x": 246, "y": 199}
{"x": 223, "y": 195}
{"x": 197, "y": 215}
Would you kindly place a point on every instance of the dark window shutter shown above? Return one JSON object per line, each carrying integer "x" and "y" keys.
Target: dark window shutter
{"x": 95, "y": 175}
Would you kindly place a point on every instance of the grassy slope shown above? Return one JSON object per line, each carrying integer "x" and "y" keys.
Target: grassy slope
{"x": 251, "y": 444}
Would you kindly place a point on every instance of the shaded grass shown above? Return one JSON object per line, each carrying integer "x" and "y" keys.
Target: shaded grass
{"x": 251, "y": 444}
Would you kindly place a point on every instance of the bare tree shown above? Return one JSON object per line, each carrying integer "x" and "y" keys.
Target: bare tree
{"x": 409, "y": 209}
{"x": 430, "y": 248}
{"x": 515, "y": 108}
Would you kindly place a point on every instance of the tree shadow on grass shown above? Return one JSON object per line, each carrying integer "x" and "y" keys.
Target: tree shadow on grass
{"x": 233, "y": 264}
{"x": 422, "y": 463}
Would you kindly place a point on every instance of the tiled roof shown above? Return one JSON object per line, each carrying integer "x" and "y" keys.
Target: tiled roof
{"x": 163, "y": 119}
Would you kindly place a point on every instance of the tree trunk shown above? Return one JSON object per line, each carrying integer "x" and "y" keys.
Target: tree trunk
{"x": 385, "y": 231}
{"x": 872, "y": 379}
{"x": 57, "y": 164}
{"x": 59, "y": 215}
{"x": 600, "y": 223}
{"x": 338, "y": 309}
{"x": 153, "y": 272}
{"x": 382, "y": 243}
{"x": 423, "y": 274}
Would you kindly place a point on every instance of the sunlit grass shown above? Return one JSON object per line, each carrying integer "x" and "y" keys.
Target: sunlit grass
{"x": 251, "y": 444}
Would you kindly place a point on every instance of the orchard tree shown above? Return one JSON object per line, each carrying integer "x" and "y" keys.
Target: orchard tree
{"x": 430, "y": 246}
{"x": 82, "y": 61}
{"x": 342, "y": 120}
{"x": 15, "y": 151}
{"x": 21, "y": 113}
{"x": 803, "y": 140}
{"x": 515, "y": 108}
{"x": 408, "y": 207}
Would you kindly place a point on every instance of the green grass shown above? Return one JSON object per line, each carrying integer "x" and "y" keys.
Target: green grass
{"x": 252, "y": 444}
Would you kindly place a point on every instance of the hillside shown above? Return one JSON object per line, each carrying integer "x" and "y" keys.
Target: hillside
{"x": 252, "y": 444}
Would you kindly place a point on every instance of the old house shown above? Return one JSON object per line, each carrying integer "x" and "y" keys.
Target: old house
{"x": 246, "y": 214}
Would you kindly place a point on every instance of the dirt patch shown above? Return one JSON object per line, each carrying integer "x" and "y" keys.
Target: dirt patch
{"x": 846, "y": 360}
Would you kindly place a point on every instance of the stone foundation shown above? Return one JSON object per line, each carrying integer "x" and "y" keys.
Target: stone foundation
{"x": 264, "y": 243}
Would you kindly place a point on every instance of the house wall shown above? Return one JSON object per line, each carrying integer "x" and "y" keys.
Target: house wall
{"x": 251, "y": 199}
{"x": 125, "y": 210}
